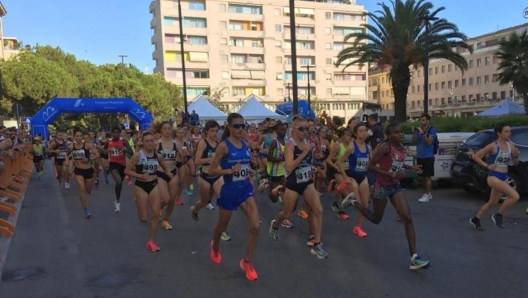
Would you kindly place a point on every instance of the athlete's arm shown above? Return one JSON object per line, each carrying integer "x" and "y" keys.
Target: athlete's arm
{"x": 127, "y": 147}
{"x": 200, "y": 148}
{"x": 331, "y": 155}
{"x": 349, "y": 150}
{"x": 130, "y": 170}
{"x": 290, "y": 163}
{"x": 380, "y": 151}
{"x": 272, "y": 148}
{"x": 95, "y": 152}
{"x": 477, "y": 156}
{"x": 220, "y": 152}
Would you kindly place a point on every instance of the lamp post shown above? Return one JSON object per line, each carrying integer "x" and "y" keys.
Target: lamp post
{"x": 293, "y": 42}
{"x": 309, "y": 90}
{"x": 182, "y": 51}
{"x": 425, "y": 23}
{"x": 288, "y": 88}
{"x": 122, "y": 63}
{"x": 452, "y": 102}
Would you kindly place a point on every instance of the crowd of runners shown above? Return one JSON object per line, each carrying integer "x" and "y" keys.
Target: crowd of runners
{"x": 291, "y": 163}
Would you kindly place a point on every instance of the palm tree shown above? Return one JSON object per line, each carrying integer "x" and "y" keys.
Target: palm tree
{"x": 513, "y": 66}
{"x": 396, "y": 40}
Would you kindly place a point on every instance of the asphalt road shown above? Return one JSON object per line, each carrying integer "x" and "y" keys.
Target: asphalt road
{"x": 58, "y": 253}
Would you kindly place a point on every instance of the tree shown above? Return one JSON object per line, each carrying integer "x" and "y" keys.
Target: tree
{"x": 215, "y": 98}
{"x": 396, "y": 40}
{"x": 513, "y": 66}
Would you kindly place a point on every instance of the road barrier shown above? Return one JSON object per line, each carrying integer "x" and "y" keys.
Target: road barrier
{"x": 13, "y": 184}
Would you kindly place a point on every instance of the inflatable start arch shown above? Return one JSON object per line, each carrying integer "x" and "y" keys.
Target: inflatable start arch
{"x": 57, "y": 106}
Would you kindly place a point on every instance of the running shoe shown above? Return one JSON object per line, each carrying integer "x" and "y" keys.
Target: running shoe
{"x": 335, "y": 207}
{"x": 179, "y": 202}
{"x": 251, "y": 274}
{"x": 263, "y": 184}
{"x": 287, "y": 224}
{"x": 225, "y": 236}
{"x": 166, "y": 225}
{"x": 97, "y": 183}
{"x": 347, "y": 201}
{"x": 194, "y": 214}
{"x": 418, "y": 264}
{"x": 67, "y": 185}
{"x": 341, "y": 187}
{"x": 476, "y": 224}
{"x": 311, "y": 241}
{"x": 274, "y": 232}
{"x": 215, "y": 255}
{"x": 152, "y": 246}
{"x": 210, "y": 206}
{"x": 87, "y": 213}
{"x": 190, "y": 192}
{"x": 358, "y": 231}
{"x": 319, "y": 252}
{"x": 302, "y": 214}
{"x": 117, "y": 206}
{"x": 331, "y": 186}
{"x": 342, "y": 215}
{"x": 497, "y": 220}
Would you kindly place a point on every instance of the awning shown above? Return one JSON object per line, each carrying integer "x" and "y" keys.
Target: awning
{"x": 279, "y": 76}
{"x": 306, "y": 11}
{"x": 240, "y": 74}
{"x": 287, "y": 10}
{"x": 198, "y": 57}
{"x": 341, "y": 91}
{"x": 357, "y": 91}
{"x": 258, "y": 75}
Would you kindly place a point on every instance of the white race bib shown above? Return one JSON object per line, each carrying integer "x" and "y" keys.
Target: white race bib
{"x": 362, "y": 164}
{"x": 396, "y": 166}
{"x": 303, "y": 174}
{"x": 115, "y": 152}
{"x": 61, "y": 155}
{"x": 150, "y": 166}
{"x": 243, "y": 174}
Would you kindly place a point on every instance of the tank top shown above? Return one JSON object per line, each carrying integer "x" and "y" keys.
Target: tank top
{"x": 63, "y": 149}
{"x": 38, "y": 150}
{"x": 303, "y": 172}
{"x": 234, "y": 156}
{"x": 168, "y": 155}
{"x": 208, "y": 152}
{"x": 115, "y": 153}
{"x": 340, "y": 153}
{"x": 276, "y": 169}
{"x": 391, "y": 162}
{"x": 147, "y": 164}
{"x": 131, "y": 144}
{"x": 79, "y": 154}
{"x": 501, "y": 159}
{"x": 358, "y": 161}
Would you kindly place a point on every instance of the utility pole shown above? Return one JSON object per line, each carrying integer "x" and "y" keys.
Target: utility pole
{"x": 293, "y": 42}
{"x": 182, "y": 54}
{"x": 123, "y": 63}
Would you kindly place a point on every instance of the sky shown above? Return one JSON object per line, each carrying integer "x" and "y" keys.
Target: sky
{"x": 101, "y": 30}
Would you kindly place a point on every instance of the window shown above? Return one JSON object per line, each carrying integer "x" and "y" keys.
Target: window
{"x": 463, "y": 82}
{"x": 479, "y": 62}
{"x": 279, "y": 76}
{"x": 194, "y": 22}
{"x": 443, "y": 68}
{"x": 328, "y": 61}
{"x": 443, "y": 85}
{"x": 225, "y": 75}
{"x": 436, "y": 86}
{"x": 494, "y": 95}
{"x": 328, "y": 46}
{"x": 436, "y": 69}
{"x": 478, "y": 80}
{"x": 221, "y": 8}
{"x": 456, "y": 83}
{"x": 225, "y": 58}
{"x": 520, "y": 138}
{"x": 418, "y": 88}
{"x": 470, "y": 81}
{"x": 412, "y": 92}
{"x": 194, "y": 91}
{"x": 197, "y": 40}
{"x": 278, "y": 28}
{"x": 223, "y": 41}
{"x": 196, "y": 6}
{"x": 343, "y": 31}
{"x": 486, "y": 79}
{"x": 328, "y": 91}
{"x": 306, "y": 61}
{"x": 338, "y": 46}
{"x": 278, "y": 44}
{"x": 236, "y": 42}
{"x": 278, "y": 60}
{"x": 245, "y": 9}
{"x": 170, "y": 21}
{"x": 235, "y": 58}
{"x": 503, "y": 94}
{"x": 223, "y": 24}
{"x": 470, "y": 63}
{"x": 486, "y": 60}
{"x": 328, "y": 31}
{"x": 237, "y": 91}
{"x": 449, "y": 68}
{"x": 196, "y": 74}
{"x": 328, "y": 15}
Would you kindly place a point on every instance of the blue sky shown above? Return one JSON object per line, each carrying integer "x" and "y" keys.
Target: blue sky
{"x": 100, "y": 30}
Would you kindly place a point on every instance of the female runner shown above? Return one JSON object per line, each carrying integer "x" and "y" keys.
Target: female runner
{"x": 503, "y": 153}
{"x": 59, "y": 148}
{"x": 233, "y": 157}
{"x": 38, "y": 157}
{"x": 83, "y": 171}
{"x": 143, "y": 166}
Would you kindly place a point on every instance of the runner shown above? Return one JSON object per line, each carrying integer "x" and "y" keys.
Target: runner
{"x": 387, "y": 163}
{"x": 299, "y": 182}
{"x": 81, "y": 152}
{"x": 38, "y": 157}
{"x": 233, "y": 157}
{"x": 103, "y": 154}
{"x": 59, "y": 148}
{"x": 117, "y": 150}
{"x": 181, "y": 160}
{"x": 143, "y": 166}
{"x": 503, "y": 153}
{"x": 357, "y": 155}
{"x": 337, "y": 180}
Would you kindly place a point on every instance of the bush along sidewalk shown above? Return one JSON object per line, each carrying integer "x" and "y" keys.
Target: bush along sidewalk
{"x": 468, "y": 124}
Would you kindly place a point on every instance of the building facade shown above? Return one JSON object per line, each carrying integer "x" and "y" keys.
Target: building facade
{"x": 380, "y": 91}
{"x": 452, "y": 93}
{"x": 10, "y": 45}
{"x": 242, "y": 48}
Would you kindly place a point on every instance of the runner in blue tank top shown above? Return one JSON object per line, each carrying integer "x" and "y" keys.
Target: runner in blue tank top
{"x": 234, "y": 158}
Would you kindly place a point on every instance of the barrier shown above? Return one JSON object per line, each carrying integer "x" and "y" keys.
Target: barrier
{"x": 13, "y": 184}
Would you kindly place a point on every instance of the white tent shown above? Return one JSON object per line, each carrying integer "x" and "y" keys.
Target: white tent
{"x": 205, "y": 109}
{"x": 254, "y": 110}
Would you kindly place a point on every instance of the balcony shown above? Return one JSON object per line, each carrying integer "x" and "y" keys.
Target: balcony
{"x": 247, "y": 50}
{"x": 247, "y": 66}
{"x": 188, "y": 64}
{"x": 245, "y": 16}
{"x": 246, "y": 33}
{"x": 248, "y": 83}
{"x": 196, "y": 81}
{"x": 343, "y": 83}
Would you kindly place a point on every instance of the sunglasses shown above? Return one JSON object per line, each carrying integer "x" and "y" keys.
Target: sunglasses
{"x": 303, "y": 128}
{"x": 255, "y": 150}
{"x": 238, "y": 126}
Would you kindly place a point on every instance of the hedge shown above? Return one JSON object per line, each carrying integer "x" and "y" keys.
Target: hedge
{"x": 468, "y": 124}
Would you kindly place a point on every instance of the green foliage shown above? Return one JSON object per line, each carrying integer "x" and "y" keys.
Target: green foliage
{"x": 38, "y": 74}
{"x": 395, "y": 39}
{"x": 468, "y": 124}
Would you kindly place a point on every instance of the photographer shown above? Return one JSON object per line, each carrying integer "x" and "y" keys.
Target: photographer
{"x": 424, "y": 138}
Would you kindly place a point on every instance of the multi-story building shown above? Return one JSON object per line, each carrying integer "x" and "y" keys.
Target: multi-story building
{"x": 243, "y": 48}
{"x": 453, "y": 93}
{"x": 380, "y": 91}
{"x": 10, "y": 45}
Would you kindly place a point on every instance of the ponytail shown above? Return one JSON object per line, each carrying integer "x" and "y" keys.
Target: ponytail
{"x": 225, "y": 134}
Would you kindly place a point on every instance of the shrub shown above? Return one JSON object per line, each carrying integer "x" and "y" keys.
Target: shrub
{"x": 468, "y": 124}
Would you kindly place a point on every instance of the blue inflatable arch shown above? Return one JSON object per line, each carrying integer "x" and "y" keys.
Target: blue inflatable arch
{"x": 57, "y": 106}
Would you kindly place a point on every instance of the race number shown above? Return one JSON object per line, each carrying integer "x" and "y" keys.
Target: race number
{"x": 303, "y": 174}
{"x": 243, "y": 174}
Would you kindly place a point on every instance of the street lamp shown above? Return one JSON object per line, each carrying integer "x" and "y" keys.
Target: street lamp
{"x": 288, "y": 88}
{"x": 293, "y": 42}
{"x": 426, "y": 22}
{"x": 180, "y": 23}
{"x": 309, "y": 91}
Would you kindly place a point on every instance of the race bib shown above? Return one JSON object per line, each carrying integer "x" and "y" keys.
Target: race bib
{"x": 150, "y": 166}
{"x": 78, "y": 154}
{"x": 346, "y": 165}
{"x": 396, "y": 166}
{"x": 116, "y": 152}
{"x": 61, "y": 155}
{"x": 303, "y": 174}
{"x": 210, "y": 154}
{"x": 362, "y": 164}
{"x": 243, "y": 174}
{"x": 168, "y": 155}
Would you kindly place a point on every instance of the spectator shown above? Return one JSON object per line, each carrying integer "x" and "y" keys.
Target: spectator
{"x": 375, "y": 131}
{"x": 424, "y": 138}
{"x": 195, "y": 118}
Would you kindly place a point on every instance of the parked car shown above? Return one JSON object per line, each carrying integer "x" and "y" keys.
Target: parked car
{"x": 472, "y": 177}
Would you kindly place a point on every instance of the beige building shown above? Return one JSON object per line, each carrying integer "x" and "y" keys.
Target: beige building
{"x": 10, "y": 45}
{"x": 380, "y": 90}
{"x": 243, "y": 47}
{"x": 454, "y": 93}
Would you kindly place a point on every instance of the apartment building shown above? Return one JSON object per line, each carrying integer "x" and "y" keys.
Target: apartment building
{"x": 10, "y": 45}
{"x": 452, "y": 93}
{"x": 380, "y": 91}
{"x": 243, "y": 47}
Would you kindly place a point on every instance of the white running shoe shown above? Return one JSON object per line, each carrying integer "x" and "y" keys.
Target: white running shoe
{"x": 347, "y": 201}
{"x": 210, "y": 206}
{"x": 67, "y": 185}
{"x": 117, "y": 206}
{"x": 425, "y": 198}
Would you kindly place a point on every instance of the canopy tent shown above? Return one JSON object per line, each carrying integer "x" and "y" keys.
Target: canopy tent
{"x": 253, "y": 109}
{"x": 287, "y": 109}
{"x": 205, "y": 109}
{"x": 505, "y": 107}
